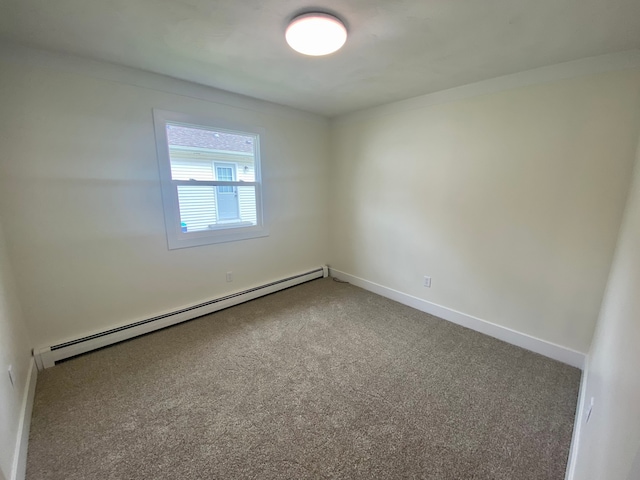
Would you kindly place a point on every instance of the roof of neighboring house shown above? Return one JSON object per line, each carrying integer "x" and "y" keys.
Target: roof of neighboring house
{"x": 196, "y": 137}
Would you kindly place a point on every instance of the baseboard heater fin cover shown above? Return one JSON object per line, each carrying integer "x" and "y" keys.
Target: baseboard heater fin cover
{"x": 47, "y": 357}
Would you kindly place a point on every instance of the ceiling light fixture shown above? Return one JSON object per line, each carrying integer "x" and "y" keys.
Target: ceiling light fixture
{"x": 316, "y": 34}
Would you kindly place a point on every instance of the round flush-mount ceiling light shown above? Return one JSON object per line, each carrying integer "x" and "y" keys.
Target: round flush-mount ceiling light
{"x": 316, "y": 34}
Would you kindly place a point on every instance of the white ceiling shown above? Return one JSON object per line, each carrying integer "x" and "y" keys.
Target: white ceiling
{"x": 396, "y": 48}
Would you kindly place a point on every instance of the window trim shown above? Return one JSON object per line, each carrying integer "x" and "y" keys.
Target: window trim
{"x": 226, "y": 232}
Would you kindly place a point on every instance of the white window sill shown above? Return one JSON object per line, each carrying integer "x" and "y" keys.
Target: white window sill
{"x": 215, "y": 235}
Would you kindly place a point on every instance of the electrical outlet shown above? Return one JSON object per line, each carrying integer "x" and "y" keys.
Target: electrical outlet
{"x": 11, "y": 379}
{"x": 229, "y": 276}
{"x": 427, "y": 281}
{"x": 590, "y": 410}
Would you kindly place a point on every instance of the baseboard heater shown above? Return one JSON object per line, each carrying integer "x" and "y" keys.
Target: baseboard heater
{"x": 47, "y": 357}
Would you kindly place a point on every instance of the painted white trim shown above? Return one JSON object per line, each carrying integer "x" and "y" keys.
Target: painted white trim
{"x": 553, "y": 73}
{"x": 175, "y": 237}
{"x": 232, "y": 233}
{"x": 46, "y": 356}
{"x": 19, "y": 469}
{"x": 577, "y": 424}
{"x": 15, "y": 53}
{"x": 543, "y": 347}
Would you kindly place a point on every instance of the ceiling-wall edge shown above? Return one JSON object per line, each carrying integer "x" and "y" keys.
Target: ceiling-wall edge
{"x": 576, "y": 68}
{"x": 15, "y": 53}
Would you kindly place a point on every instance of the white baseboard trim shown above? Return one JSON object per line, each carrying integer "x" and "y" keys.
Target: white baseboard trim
{"x": 46, "y": 357}
{"x": 577, "y": 424}
{"x": 537, "y": 345}
{"x": 19, "y": 469}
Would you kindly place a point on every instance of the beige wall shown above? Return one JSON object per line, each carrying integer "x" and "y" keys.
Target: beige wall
{"x": 15, "y": 350}
{"x": 610, "y": 442}
{"x": 510, "y": 201}
{"x": 81, "y": 200}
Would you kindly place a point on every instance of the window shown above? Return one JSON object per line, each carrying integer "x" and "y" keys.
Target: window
{"x": 210, "y": 175}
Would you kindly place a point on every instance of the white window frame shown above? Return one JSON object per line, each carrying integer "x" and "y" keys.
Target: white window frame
{"x": 228, "y": 232}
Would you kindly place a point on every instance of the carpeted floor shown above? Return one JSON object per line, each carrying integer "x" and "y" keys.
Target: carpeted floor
{"x": 323, "y": 380}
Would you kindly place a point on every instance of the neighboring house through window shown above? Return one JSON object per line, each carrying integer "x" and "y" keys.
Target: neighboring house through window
{"x": 210, "y": 174}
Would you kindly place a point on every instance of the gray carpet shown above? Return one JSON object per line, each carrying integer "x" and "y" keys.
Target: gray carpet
{"x": 323, "y": 380}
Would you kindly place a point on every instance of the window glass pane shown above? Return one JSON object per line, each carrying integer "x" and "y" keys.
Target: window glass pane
{"x": 226, "y": 173}
{"x": 247, "y": 204}
{"x": 186, "y": 169}
{"x": 195, "y": 150}
{"x": 205, "y": 208}
{"x": 197, "y": 207}
{"x": 246, "y": 172}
